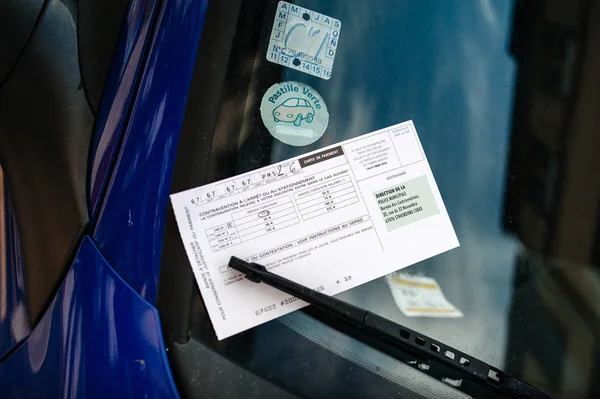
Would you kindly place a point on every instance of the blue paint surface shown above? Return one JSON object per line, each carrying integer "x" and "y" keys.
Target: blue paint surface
{"x": 131, "y": 221}
{"x": 118, "y": 92}
{"x": 98, "y": 339}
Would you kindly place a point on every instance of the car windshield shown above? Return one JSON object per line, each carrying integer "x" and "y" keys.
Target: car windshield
{"x": 504, "y": 97}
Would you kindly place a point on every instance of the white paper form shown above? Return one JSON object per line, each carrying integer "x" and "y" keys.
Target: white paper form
{"x": 330, "y": 220}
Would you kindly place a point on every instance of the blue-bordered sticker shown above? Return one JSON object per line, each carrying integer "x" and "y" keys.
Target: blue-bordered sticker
{"x": 304, "y": 40}
{"x": 294, "y": 113}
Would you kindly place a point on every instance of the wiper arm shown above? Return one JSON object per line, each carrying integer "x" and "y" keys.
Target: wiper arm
{"x": 459, "y": 370}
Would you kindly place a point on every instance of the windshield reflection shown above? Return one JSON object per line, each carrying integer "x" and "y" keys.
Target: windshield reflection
{"x": 552, "y": 199}
{"x": 504, "y": 97}
{"x": 508, "y": 129}
{"x": 451, "y": 73}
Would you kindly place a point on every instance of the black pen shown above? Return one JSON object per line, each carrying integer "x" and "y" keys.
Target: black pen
{"x": 436, "y": 359}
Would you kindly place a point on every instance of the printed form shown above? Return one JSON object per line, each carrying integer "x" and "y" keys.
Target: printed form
{"x": 330, "y": 220}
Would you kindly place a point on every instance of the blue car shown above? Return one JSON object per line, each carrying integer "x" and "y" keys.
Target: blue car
{"x": 108, "y": 107}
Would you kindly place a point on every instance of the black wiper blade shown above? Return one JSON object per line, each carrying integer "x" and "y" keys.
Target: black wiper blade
{"x": 459, "y": 370}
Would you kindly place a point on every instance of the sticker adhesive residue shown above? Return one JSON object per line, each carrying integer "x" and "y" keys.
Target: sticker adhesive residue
{"x": 294, "y": 113}
{"x": 304, "y": 40}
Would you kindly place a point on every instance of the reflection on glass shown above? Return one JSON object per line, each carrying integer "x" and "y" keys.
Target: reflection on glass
{"x": 552, "y": 199}
{"x": 504, "y": 97}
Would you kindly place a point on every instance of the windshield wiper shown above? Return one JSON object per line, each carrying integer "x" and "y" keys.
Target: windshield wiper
{"x": 453, "y": 367}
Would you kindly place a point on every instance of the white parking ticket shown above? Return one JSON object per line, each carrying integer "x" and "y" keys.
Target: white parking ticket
{"x": 330, "y": 220}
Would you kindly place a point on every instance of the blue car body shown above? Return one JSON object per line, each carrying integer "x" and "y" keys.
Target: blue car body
{"x": 101, "y": 335}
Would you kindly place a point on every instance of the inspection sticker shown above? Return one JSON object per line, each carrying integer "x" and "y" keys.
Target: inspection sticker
{"x": 304, "y": 40}
{"x": 418, "y": 296}
{"x": 331, "y": 219}
{"x": 294, "y": 113}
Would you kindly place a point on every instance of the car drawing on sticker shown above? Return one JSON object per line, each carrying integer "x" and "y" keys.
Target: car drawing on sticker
{"x": 294, "y": 110}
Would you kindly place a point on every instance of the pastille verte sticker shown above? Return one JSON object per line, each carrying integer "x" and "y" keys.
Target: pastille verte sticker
{"x": 294, "y": 113}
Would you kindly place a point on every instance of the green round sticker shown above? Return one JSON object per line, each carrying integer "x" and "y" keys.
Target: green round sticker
{"x": 294, "y": 113}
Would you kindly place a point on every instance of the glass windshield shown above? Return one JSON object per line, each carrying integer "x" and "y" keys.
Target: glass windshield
{"x": 504, "y": 97}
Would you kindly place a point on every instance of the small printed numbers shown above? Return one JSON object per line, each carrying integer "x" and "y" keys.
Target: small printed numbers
{"x": 265, "y": 309}
{"x": 345, "y": 279}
